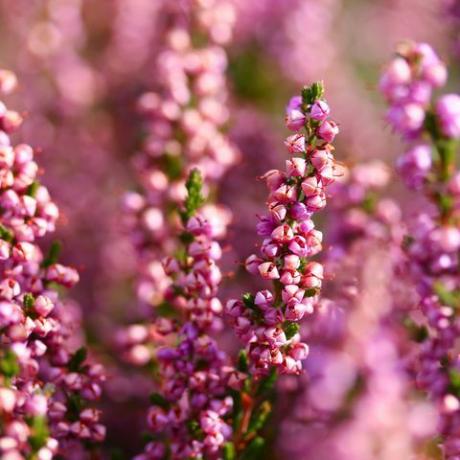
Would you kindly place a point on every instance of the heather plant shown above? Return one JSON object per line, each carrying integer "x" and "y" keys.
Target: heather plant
{"x": 431, "y": 126}
{"x": 184, "y": 119}
{"x": 355, "y": 400}
{"x": 47, "y": 384}
{"x": 190, "y": 411}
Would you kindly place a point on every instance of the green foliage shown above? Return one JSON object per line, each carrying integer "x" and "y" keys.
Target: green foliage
{"x": 39, "y": 432}
{"x": 417, "y": 333}
{"x": 194, "y": 198}
{"x": 254, "y": 450}
{"x": 229, "y": 452}
{"x": 312, "y": 93}
{"x": 166, "y": 310}
{"x": 9, "y": 366}
{"x": 259, "y": 418}
{"x": 157, "y": 399}
{"x": 446, "y": 297}
{"x": 267, "y": 383}
{"x": 77, "y": 359}
{"x": 310, "y": 292}
{"x": 243, "y": 361}
{"x": 248, "y": 300}
{"x": 29, "y": 300}
{"x": 74, "y": 406}
{"x": 5, "y": 234}
{"x": 195, "y": 430}
{"x": 454, "y": 382}
{"x": 290, "y": 328}
{"x": 33, "y": 188}
{"x": 53, "y": 254}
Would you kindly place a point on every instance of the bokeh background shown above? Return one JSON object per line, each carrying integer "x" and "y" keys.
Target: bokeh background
{"x": 82, "y": 65}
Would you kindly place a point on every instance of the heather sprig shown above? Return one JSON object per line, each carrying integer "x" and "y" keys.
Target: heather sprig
{"x": 268, "y": 322}
{"x": 191, "y": 410}
{"x": 434, "y": 239}
{"x": 46, "y": 387}
{"x": 184, "y": 119}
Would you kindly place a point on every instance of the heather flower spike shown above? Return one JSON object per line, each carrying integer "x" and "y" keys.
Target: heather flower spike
{"x": 47, "y": 386}
{"x": 191, "y": 410}
{"x": 184, "y": 119}
{"x": 433, "y": 245}
{"x": 269, "y": 321}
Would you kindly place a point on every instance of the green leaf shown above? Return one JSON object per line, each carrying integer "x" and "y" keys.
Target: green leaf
{"x": 312, "y": 93}
{"x": 194, "y": 429}
{"x": 5, "y": 234}
{"x": 53, "y": 254}
{"x": 186, "y": 237}
{"x": 172, "y": 165}
{"x": 446, "y": 297}
{"x": 254, "y": 449}
{"x": 259, "y": 418}
{"x": 40, "y": 432}
{"x": 243, "y": 361}
{"x": 194, "y": 198}
{"x": 417, "y": 333}
{"x": 29, "y": 300}
{"x": 369, "y": 203}
{"x": 267, "y": 383}
{"x": 74, "y": 406}
{"x": 77, "y": 359}
{"x": 311, "y": 292}
{"x": 166, "y": 310}
{"x": 229, "y": 452}
{"x": 248, "y": 300}
{"x": 33, "y": 188}
{"x": 454, "y": 382}
{"x": 157, "y": 399}
{"x": 237, "y": 412}
{"x": 9, "y": 366}
{"x": 290, "y": 328}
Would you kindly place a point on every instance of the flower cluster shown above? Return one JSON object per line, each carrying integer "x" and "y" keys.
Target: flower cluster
{"x": 434, "y": 242}
{"x": 408, "y": 84}
{"x": 45, "y": 384}
{"x": 189, "y": 410}
{"x": 268, "y": 322}
{"x": 184, "y": 119}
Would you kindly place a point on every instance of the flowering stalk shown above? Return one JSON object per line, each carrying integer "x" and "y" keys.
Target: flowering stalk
{"x": 184, "y": 120}
{"x": 189, "y": 417}
{"x": 269, "y": 322}
{"x": 45, "y": 385}
{"x": 356, "y": 394}
{"x": 433, "y": 128}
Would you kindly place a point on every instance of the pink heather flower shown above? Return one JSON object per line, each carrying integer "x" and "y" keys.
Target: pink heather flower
{"x": 448, "y": 111}
{"x": 295, "y": 118}
{"x": 407, "y": 118}
{"x": 432, "y": 253}
{"x": 295, "y": 143}
{"x": 193, "y": 372}
{"x": 180, "y": 137}
{"x": 327, "y": 131}
{"x": 193, "y": 369}
{"x": 415, "y": 165}
{"x": 38, "y": 328}
{"x": 398, "y": 72}
{"x": 320, "y": 110}
{"x": 454, "y": 184}
{"x": 296, "y": 167}
{"x": 289, "y": 237}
